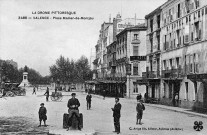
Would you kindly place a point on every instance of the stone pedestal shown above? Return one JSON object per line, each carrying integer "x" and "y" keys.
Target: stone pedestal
{"x": 25, "y": 82}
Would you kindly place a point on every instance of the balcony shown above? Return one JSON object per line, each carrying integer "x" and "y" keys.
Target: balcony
{"x": 173, "y": 73}
{"x": 151, "y": 74}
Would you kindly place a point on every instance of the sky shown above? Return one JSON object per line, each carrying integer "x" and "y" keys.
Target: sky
{"x": 38, "y": 43}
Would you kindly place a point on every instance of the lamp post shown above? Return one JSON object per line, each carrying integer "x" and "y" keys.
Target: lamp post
{"x": 128, "y": 72}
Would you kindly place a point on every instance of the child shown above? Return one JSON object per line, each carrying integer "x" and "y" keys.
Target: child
{"x": 140, "y": 107}
{"x": 42, "y": 114}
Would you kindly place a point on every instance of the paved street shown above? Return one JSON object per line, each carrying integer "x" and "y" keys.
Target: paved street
{"x": 99, "y": 119}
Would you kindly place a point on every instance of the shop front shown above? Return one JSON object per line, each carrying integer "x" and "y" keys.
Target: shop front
{"x": 112, "y": 87}
{"x": 200, "y": 87}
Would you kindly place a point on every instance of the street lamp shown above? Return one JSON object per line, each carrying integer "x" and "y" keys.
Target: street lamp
{"x": 128, "y": 72}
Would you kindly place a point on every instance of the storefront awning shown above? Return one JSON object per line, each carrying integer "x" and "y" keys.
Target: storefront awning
{"x": 111, "y": 81}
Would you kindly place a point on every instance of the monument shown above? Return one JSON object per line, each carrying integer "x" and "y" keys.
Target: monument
{"x": 25, "y": 82}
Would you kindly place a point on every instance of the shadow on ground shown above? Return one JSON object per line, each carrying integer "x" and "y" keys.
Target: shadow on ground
{"x": 20, "y": 125}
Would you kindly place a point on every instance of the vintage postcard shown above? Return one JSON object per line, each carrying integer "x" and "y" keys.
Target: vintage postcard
{"x": 103, "y": 67}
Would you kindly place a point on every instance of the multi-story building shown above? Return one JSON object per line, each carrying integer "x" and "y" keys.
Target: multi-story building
{"x": 183, "y": 48}
{"x": 131, "y": 42}
{"x": 184, "y": 53}
{"x": 153, "y": 67}
{"x": 105, "y": 38}
{"x": 111, "y": 72}
{"x": 97, "y": 61}
{"x": 92, "y": 58}
{"x": 111, "y": 59}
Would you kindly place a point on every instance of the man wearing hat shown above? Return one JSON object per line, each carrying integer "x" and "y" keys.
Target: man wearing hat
{"x": 117, "y": 114}
{"x": 73, "y": 105}
{"x": 42, "y": 114}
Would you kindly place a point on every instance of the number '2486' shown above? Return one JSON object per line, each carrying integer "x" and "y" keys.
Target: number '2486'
{"x": 22, "y": 17}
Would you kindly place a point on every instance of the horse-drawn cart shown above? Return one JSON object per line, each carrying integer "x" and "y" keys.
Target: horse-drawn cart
{"x": 56, "y": 96}
{"x": 13, "y": 89}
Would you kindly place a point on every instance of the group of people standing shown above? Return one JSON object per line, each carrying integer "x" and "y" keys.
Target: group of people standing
{"x": 73, "y": 105}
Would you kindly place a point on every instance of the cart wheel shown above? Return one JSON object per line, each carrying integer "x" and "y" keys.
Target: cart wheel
{"x": 9, "y": 94}
{"x": 56, "y": 98}
{"x": 52, "y": 98}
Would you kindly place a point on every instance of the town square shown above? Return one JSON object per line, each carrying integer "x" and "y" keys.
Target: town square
{"x": 129, "y": 67}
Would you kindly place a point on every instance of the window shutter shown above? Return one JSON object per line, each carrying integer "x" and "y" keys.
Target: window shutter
{"x": 135, "y": 69}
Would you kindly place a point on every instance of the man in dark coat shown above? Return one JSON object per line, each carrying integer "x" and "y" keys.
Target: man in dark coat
{"x": 47, "y": 94}
{"x": 88, "y": 99}
{"x": 34, "y": 91}
{"x": 104, "y": 94}
{"x": 117, "y": 114}
{"x": 139, "y": 96}
{"x": 42, "y": 114}
{"x": 139, "y": 108}
{"x": 73, "y": 105}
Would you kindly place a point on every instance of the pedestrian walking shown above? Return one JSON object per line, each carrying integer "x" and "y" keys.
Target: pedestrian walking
{"x": 117, "y": 114}
{"x": 42, "y": 114}
{"x": 34, "y": 91}
{"x": 88, "y": 99}
{"x": 139, "y": 96}
{"x": 47, "y": 93}
{"x": 176, "y": 100}
{"x": 140, "y": 108}
{"x": 104, "y": 94}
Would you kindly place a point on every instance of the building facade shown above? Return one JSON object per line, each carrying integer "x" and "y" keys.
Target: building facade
{"x": 105, "y": 38}
{"x": 184, "y": 50}
{"x": 131, "y": 42}
{"x": 183, "y": 34}
{"x": 153, "y": 68}
{"x": 110, "y": 63}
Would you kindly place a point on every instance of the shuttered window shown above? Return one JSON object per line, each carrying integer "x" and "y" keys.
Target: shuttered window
{"x": 135, "y": 69}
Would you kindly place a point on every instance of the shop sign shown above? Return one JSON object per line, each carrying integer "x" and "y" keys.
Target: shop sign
{"x": 197, "y": 76}
{"x": 138, "y": 58}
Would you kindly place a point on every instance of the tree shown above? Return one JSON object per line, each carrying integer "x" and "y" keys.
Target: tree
{"x": 83, "y": 70}
{"x": 70, "y": 71}
{"x": 9, "y": 72}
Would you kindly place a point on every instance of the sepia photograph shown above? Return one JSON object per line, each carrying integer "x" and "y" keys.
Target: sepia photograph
{"x": 103, "y": 67}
